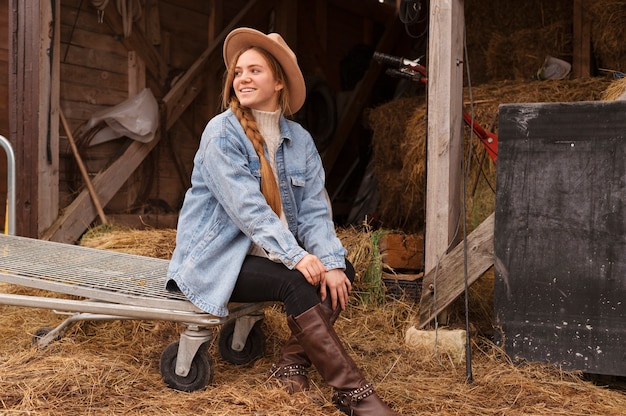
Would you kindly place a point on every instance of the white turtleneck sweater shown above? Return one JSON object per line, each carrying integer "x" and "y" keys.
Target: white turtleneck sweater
{"x": 269, "y": 127}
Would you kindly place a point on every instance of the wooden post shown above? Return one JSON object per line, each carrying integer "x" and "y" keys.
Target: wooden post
{"x": 445, "y": 135}
{"x": 34, "y": 99}
{"x": 445, "y": 89}
{"x": 581, "y": 67}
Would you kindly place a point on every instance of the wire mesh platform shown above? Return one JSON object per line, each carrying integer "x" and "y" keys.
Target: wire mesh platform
{"x": 109, "y": 285}
{"x": 92, "y": 273}
{"x": 115, "y": 283}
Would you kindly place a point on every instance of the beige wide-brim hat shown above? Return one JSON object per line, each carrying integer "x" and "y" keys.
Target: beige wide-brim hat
{"x": 273, "y": 43}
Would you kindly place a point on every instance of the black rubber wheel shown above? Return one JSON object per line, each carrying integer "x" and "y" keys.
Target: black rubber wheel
{"x": 200, "y": 374}
{"x": 252, "y": 351}
{"x": 40, "y": 333}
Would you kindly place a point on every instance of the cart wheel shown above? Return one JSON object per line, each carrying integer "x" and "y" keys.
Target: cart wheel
{"x": 252, "y": 351}
{"x": 200, "y": 373}
{"x": 40, "y": 333}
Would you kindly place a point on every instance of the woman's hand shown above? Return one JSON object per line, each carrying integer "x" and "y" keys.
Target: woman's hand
{"x": 336, "y": 284}
{"x": 312, "y": 269}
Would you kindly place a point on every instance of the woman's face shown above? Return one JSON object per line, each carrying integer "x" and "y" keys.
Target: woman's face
{"x": 254, "y": 82}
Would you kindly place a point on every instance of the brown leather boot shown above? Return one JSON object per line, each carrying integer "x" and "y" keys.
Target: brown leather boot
{"x": 291, "y": 370}
{"x": 353, "y": 394}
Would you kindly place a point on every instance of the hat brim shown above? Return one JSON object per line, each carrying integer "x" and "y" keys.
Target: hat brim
{"x": 244, "y": 38}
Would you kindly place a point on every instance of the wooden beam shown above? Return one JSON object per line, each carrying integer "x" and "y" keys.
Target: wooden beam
{"x": 581, "y": 67}
{"x": 214, "y": 79}
{"x": 136, "y": 74}
{"x": 33, "y": 120}
{"x": 445, "y": 283}
{"x": 445, "y": 134}
{"x": 50, "y": 81}
{"x": 359, "y": 98}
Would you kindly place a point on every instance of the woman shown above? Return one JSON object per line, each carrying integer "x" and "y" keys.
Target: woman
{"x": 256, "y": 224}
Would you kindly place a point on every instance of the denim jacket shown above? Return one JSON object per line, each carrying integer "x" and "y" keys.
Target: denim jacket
{"x": 224, "y": 211}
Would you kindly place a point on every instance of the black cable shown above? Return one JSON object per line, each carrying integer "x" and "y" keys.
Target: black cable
{"x": 69, "y": 42}
{"x": 409, "y": 13}
{"x": 468, "y": 346}
{"x": 51, "y": 57}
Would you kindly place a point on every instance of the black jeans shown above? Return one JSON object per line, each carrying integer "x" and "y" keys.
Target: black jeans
{"x": 262, "y": 280}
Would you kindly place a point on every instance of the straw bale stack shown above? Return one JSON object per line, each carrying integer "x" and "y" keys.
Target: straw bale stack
{"x": 608, "y": 32}
{"x": 510, "y": 39}
{"x": 399, "y": 143}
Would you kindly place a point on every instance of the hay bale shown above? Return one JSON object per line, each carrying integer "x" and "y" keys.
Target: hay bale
{"x": 615, "y": 91}
{"x": 494, "y": 26}
{"x": 399, "y": 161}
{"x": 399, "y": 145}
{"x": 520, "y": 54}
{"x": 157, "y": 243}
{"x": 608, "y": 31}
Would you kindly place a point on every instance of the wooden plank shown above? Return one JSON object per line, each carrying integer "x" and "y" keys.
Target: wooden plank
{"x": 50, "y": 82}
{"x": 202, "y": 7}
{"x": 80, "y": 111}
{"x": 33, "y": 113}
{"x": 94, "y": 59}
{"x": 136, "y": 74}
{"x": 183, "y": 23}
{"x": 213, "y": 85}
{"x": 99, "y": 95}
{"x": 445, "y": 135}
{"x": 402, "y": 276}
{"x": 402, "y": 251}
{"x": 581, "y": 65}
{"x": 153, "y": 22}
{"x": 90, "y": 77}
{"x": 23, "y": 128}
{"x": 88, "y": 39}
{"x": 446, "y": 282}
{"x": 145, "y": 221}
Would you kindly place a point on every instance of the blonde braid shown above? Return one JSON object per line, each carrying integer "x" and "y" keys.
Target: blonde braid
{"x": 269, "y": 187}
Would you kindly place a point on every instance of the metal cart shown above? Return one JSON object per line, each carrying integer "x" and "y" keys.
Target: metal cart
{"x": 119, "y": 286}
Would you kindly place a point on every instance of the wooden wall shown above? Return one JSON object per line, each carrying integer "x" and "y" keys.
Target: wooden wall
{"x": 100, "y": 67}
{"x": 4, "y": 99}
{"x": 98, "y": 71}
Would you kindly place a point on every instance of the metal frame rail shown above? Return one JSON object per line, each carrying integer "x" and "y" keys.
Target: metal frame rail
{"x": 100, "y": 284}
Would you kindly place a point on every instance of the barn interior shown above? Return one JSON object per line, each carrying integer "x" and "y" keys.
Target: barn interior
{"x": 65, "y": 63}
